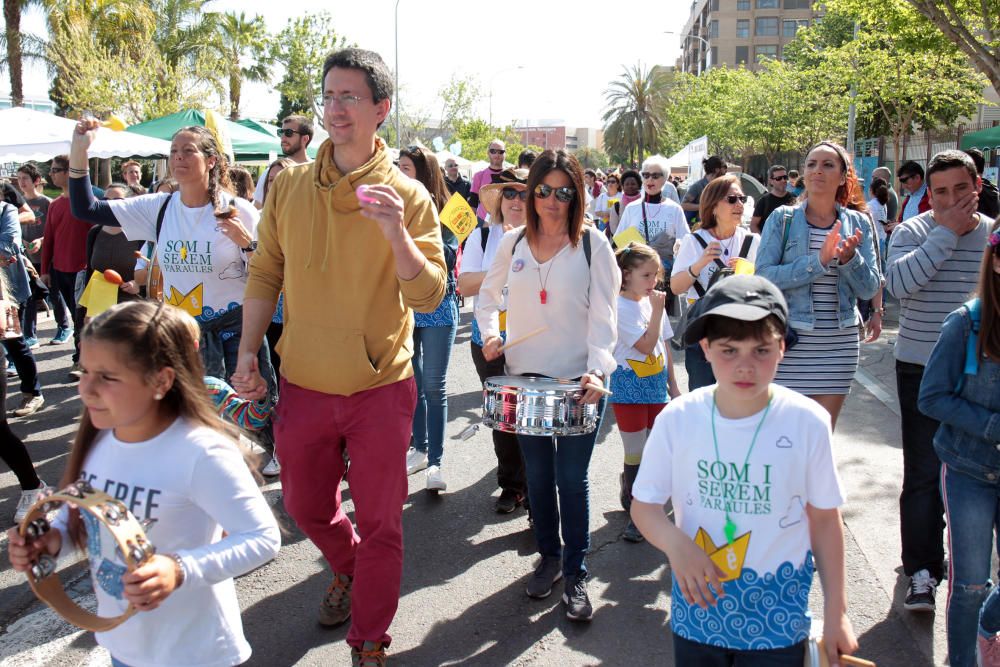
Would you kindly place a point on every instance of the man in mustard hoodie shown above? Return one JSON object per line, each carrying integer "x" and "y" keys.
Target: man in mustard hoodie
{"x": 352, "y": 270}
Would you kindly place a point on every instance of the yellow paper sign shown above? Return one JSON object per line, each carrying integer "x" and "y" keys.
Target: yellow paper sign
{"x": 743, "y": 267}
{"x": 630, "y": 235}
{"x": 459, "y": 217}
{"x": 99, "y": 295}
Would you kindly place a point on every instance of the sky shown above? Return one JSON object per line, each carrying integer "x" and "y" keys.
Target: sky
{"x": 568, "y": 51}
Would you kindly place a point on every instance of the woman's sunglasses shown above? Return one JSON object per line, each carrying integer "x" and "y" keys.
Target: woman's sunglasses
{"x": 564, "y": 194}
{"x": 510, "y": 194}
{"x": 732, "y": 199}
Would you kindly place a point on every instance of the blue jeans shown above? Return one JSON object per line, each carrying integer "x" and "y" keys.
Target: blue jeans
{"x": 698, "y": 369}
{"x": 687, "y": 652}
{"x": 560, "y": 465}
{"x": 431, "y": 353}
{"x": 973, "y": 512}
{"x": 117, "y": 663}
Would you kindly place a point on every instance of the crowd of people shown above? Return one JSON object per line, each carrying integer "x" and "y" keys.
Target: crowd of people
{"x": 317, "y": 311}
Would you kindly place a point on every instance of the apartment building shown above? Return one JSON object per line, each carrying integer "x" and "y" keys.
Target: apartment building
{"x": 561, "y": 136}
{"x": 740, "y": 32}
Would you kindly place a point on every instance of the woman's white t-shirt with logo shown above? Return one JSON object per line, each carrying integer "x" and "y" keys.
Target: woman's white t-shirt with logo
{"x": 691, "y": 251}
{"x": 204, "y": 272}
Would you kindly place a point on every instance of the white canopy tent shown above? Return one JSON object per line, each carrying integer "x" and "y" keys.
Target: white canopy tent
{"x": 39, "y": 136}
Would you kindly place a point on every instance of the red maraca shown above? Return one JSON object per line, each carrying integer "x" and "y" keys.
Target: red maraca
{"x": 113, "y": 277}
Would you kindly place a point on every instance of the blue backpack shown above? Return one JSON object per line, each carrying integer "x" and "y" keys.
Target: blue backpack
{"x": 972, "y": 343}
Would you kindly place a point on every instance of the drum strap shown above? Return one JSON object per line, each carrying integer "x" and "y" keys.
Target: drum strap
{"x": 585, "y": 241}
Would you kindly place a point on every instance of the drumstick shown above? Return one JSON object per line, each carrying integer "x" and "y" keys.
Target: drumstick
{"x": 850, "y": 659}
{"x": 521, "y": 339}
{"x": 598, "y": 389}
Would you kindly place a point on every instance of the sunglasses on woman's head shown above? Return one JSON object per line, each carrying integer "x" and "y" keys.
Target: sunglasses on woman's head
{"x": 732, "y": 199}
{"x": 510, "y": 194}
{"x": 564, "y": 194}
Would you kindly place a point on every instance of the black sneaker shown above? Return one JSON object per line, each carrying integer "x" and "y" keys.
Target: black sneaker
{"x": 920, "y": 596}
{"x": 508, "y": 501}
{"x": 575, "y": 598}
{"x": 631, "y": 533}
{"x": 548, "y": 572}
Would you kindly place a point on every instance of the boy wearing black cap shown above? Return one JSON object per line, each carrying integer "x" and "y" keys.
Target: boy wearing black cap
{"x": 755, "y": 492}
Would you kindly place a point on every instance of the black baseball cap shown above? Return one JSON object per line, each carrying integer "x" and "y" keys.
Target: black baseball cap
{"x": 747, "y": 298}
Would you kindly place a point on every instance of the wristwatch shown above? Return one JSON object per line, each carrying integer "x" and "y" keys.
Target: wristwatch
{"x": 598, "y": 374}
{"x": 250, "y": 248}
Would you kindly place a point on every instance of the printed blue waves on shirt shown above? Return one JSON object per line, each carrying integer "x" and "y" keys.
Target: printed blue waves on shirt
{"x": 756, "y": 613}
{"x": 627, "y": 387}
{"x": 445, "y": 315}
{"x": 208, "y": 314}
{"x": 107, "y": 574}
{"x": 279, "y": 311}
{"x": 477, "y": 335}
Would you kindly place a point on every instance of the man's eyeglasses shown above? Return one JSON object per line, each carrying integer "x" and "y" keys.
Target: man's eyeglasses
{"x": 904, "y": 179}
{"x": 287, "y": 132}
{"x": 783, "y": 177}
{"x": 57, "y": 170}
{"x": 345, "y": 101}
{"x": 732, "y": 199}
{"x": 451, "y": 166}
{"x": 511, "y": 193}
{"x": 497, "y": 151}
{"x": 654, "y": 175}
{"x": 564, "y": 194}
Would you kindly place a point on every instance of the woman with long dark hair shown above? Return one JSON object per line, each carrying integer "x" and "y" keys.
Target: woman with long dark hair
{"x": 561, "y": 277}
{"x": 204, "y": 238}
{"x": 822, "y": 255}
{"x": 433, "y": 337}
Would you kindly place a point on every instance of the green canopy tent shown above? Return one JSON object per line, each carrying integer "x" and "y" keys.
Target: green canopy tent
{"x": 272, "y": 131}
{"x": 988, "y": 139}
{"x": 248, "y": 145}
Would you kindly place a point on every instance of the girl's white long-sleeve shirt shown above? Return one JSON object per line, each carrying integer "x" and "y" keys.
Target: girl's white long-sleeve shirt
{"x": 580, "y": 308}
{"x": 193, "y": 482}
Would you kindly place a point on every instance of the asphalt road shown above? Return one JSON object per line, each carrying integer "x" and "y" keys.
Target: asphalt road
{"x": 463, "y": 598}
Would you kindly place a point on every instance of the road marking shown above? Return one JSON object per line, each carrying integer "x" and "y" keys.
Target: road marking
{"x": 877, "y": 389}
{"x": 40, "y": 637}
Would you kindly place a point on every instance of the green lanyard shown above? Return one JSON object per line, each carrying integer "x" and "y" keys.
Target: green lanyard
{"x": 730, "y": 527}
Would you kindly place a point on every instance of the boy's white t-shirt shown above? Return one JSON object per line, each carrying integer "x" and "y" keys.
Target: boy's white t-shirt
{"x": 204, "y": 272}
{"x": 194, "y": 483}
{"x": 766, "y": 493}
{"x": 691, "y": 251}
{"x": 633, "y": 319}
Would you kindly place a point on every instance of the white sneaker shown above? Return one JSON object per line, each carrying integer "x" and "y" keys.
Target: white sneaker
{"x": 28, "y": 499}
{"x": 415, "y": 461}
{"x": 273, "y": 467}
{"x": 435, "y": 480}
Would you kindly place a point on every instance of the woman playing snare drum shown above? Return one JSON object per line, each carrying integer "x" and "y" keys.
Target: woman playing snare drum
{"x": 561, "y": 277}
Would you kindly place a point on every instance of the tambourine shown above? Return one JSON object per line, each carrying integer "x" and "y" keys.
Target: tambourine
{"x": 130, "y": 538}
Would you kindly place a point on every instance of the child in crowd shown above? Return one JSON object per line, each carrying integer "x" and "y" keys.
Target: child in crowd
{"x": 147, "y": 430}
{"x": 750, "y": 470}
{"x": 960, "y": 389}
{"x": 644, "y": 380}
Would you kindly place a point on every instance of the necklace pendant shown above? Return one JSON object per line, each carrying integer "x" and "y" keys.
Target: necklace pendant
{"x": 543, "y": 297}
{"x": 730, "y": 530}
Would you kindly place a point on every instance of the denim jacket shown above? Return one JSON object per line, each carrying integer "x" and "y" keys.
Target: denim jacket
{"x": 968, "y": 439}
{"x": 794, "y": 273}
{"x": 10, "y": 247}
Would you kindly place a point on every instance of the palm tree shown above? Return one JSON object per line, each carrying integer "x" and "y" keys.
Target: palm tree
{"x": 240, "y": 39}
{"x": 184, "y": 30}
{"x": 635, "y": 109}
{"x": 18, "y": 47}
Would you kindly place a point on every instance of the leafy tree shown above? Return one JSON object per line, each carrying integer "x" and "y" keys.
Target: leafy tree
{"x": 635, "y": 106}
{"x": 243, "y": 44}
{"x": 591, "y": 158}
{"x": 477, "y": 134}
{"x": 301, "y": 47}
{"x": 458, "y": 100}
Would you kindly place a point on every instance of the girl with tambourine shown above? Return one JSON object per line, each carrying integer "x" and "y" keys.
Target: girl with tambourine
{"x": 149, "y": 436}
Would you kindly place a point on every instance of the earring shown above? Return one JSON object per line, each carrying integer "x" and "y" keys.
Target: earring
{"x": 158, "y": 396}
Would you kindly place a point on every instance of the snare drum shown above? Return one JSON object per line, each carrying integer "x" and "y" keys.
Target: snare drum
{"x": 536, "y": 406}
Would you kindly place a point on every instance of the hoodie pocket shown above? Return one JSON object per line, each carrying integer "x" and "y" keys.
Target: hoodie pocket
{"x": 327, "y": 359}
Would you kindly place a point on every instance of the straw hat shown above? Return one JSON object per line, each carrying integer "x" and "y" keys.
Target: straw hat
{"x": 490, "y": 195}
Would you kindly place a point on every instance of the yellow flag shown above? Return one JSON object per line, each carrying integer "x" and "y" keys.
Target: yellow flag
{"x": 99, "y": 295}
{"x": 459, "y": 217}
{"x": 216, "y": 124}
{"x": 630, "y": 235}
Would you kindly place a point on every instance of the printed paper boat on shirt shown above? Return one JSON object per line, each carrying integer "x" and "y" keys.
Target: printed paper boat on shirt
{"x": 191, "y": 302}
{"x": 648, "y": 367}
{"x": 729, "y": 558}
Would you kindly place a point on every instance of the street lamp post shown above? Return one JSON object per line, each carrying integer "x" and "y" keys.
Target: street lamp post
{"x": 708, "y": 48}
{"x": 494, "y": 76}
{"x": 399, "y": 139}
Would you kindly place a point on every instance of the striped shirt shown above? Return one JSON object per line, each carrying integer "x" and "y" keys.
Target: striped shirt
{"x": 932, "y": 271}
{"x": 824, "y": 360}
